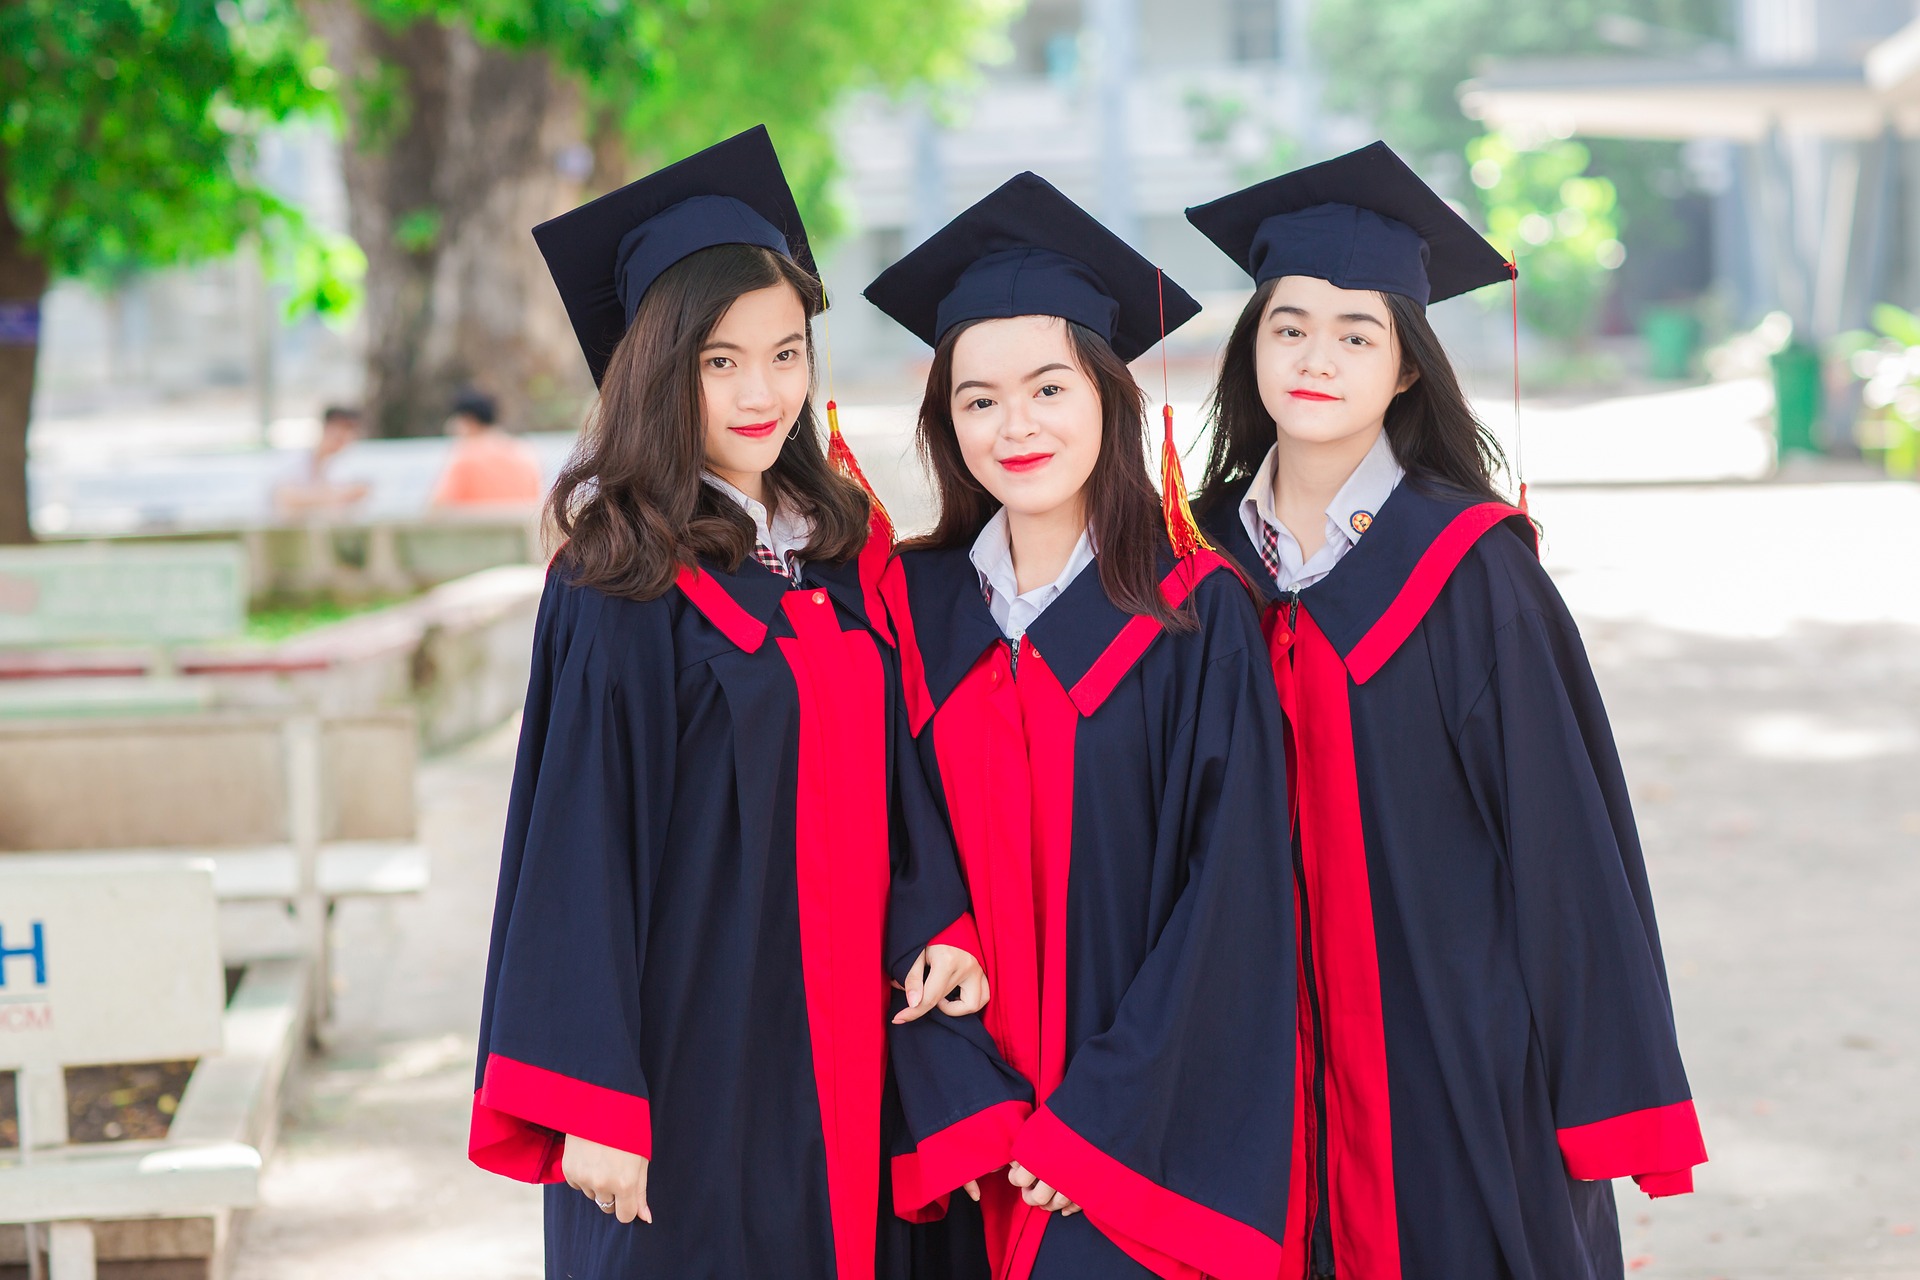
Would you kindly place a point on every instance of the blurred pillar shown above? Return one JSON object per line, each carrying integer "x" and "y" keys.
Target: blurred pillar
{"x": 1301, "y": 77}
{"x": 929, "y": 181}
{"x": 1868, "y": 282}
{"x": 1113, "y": 26}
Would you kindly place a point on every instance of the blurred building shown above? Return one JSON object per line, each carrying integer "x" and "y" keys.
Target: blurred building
{"x": 1134, "y": 108}
{"x": 212, "y": 325}
{"x": 1806, "y": 135}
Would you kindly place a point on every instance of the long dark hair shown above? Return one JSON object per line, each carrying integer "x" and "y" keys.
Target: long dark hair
{"x": 1122, "y": 508}
{"x": 1433, "y": 432}
{"x": 630, "y": 501}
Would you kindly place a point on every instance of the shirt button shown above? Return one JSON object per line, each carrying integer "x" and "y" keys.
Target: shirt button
{"x": 819, "y": 597}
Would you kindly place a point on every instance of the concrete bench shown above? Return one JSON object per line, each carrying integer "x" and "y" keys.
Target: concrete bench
{"x": 348, "y": 555}
{"x": 112, "y": 614}
{"x": 300, "y": 809}
{"x": 114, "y": 960}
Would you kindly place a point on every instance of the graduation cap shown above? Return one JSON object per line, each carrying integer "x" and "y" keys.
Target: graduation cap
{"x": 1027, "y": 250}
{"x": 1361, "y": 221}
{"x": 605, "y": 255}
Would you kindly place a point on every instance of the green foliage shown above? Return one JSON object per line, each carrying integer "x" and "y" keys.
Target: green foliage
{"x": 1888, "y": 425}
{"x": 1897, "y": 323}
{"x": 1543, "y": 207}
{"x": 125, "y": 125}
{"x": 417, "y": 230}
{"x": 1401, "y": 66}
{"x": 673, "y": 76}
{"x": 323, "y": 272}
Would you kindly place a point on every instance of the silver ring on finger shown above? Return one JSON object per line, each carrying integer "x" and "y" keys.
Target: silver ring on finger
{"x": 606, "y": 1206}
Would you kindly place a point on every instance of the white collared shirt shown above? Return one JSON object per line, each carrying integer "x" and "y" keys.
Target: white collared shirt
{"x": 786, "y": 534}
{"x": 1349, "y": 515}
{"x": 992, "y": 555}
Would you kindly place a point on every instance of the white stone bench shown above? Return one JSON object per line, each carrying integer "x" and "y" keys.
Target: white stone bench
{"x": 300, "y": 809}
{"x": 112, "y": 959}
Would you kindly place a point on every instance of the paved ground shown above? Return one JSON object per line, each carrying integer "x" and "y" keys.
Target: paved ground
{"x": 1760, "y": 649}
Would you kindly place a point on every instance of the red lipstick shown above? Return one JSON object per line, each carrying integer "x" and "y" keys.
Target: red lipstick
{"x": 1311, "y": 395}
{"x": 1026, "y": 461}
{"x": 758, "y": 431}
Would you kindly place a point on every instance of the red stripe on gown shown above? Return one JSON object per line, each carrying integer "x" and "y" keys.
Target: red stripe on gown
{"x": 843, "y": 870}
{"x": 1362, "y": 1213}
{"x": 1006, "y": 765}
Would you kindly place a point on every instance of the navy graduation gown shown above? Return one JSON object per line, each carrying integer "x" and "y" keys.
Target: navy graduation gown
{"x": 692, "y": 937}
{"x": 1486, "y": 1034}
{"x": 1117, "y": 800}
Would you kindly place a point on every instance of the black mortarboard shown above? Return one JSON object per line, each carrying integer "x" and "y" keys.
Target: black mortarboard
{"x": 1362, "y": 221}
{"x": 1027, "y": 250}
{"x": 605, "y": 254}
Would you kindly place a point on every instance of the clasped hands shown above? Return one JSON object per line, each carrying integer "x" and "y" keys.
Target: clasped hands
{"x": 616, "y": 1180}
{"x": 1035, "y": 1192}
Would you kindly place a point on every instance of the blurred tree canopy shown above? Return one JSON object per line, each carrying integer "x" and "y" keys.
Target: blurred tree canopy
{"x": 469, "y": 122}
{"x": 1401, "y": 66}
{"x": 124, "y": 143}
{"x": 1558, "y": 221}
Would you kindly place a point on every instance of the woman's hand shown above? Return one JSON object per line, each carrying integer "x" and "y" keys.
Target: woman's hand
{"x": 615, "y": 1180}
{"x": 935, "y": 973}
{"x": 1039, "y": 1194}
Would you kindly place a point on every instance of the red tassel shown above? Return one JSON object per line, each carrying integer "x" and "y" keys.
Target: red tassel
{"x": 1183, "y": 531}
{"x": 840, "y": 458}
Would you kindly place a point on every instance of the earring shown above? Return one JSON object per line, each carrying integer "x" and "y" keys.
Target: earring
{"x": 794, "y": 430}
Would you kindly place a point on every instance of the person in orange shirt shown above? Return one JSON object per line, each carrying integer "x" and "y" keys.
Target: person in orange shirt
{"x": 488, "y": 467}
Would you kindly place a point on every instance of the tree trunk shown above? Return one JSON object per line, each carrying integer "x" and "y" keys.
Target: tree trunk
{"x": 453, "y": 152}
{"x": 23, "y": 283}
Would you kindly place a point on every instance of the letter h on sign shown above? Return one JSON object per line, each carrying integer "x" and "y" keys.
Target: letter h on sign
{"x": 37, "y": 949}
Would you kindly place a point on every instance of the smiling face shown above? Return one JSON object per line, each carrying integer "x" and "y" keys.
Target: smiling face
{"x": 754, "y": 382}
{"x": 1327, "y": 360}
{"x": 1026, "y": 416}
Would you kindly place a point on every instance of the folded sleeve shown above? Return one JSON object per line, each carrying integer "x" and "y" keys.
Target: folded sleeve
{"x": 1171, "y": 1129}
{"x": 1541, "y": 757}
{"x": 561, "y": 1016}
{"x": 961, "y": 1103}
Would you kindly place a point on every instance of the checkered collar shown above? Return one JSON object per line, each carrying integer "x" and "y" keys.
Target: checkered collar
{"x": 1349, "y": 515}
{"x": 778, "y": 538}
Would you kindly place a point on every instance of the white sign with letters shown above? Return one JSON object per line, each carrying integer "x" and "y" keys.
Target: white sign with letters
{"x": 115, "y": 960}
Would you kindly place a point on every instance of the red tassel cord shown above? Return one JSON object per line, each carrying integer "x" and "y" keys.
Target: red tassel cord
{"x": 1519, "y": 454}
{"x": 1183, "y": 531}
{"x": 840, "y": 458}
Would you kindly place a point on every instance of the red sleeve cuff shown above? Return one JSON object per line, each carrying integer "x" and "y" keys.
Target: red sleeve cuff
{"x": 1658, "y": 1146}
{"x": 945, "y": 1161}
{"x": 520, "y": 1111}
{"x": 1129, "y": 1207}
{"x": 1656, "y": 1185}
{"x": 962, "y": 934}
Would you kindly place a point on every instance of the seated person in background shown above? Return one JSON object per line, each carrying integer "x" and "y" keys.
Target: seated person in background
{"x": 488, "y": 467}
{"x": 307, "y": 488}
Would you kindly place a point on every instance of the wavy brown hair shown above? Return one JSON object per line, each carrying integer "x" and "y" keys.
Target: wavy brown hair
{"x": 630, "y": 501}
{"x": 1123, "y": 510}
{"x": 1434, "y": 434}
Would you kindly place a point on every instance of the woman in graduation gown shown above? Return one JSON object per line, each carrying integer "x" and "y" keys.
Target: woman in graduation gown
{"x": 705, "y": 882}
{"x": 1486, "y": 1035}
{"x": 1098, "y": 715}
